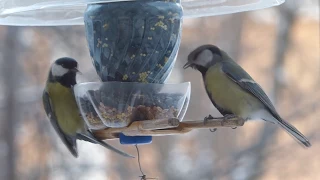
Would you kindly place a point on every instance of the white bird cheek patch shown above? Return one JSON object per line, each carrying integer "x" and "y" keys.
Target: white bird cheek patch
{"x": 204, "y": 58}
{"x": 58, "y": 70}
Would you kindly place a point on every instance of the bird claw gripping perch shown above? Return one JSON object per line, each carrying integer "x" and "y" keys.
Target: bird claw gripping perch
{"x": 228, "y": 117}
{"x": 205, "y": 120}
{"x": 225, "y": 120}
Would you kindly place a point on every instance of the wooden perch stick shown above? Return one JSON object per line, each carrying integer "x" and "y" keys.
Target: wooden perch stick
{"x": 162, "y": 127}
{"x": 136, "y": 127}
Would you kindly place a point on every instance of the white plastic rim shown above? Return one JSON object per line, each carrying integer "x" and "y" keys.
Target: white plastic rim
{"x": 70, "y": 12}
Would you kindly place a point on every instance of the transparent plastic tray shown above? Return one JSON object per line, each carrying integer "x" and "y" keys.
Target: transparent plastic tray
{"x": 118, "y": 104}
{"x": 70, "y": 12}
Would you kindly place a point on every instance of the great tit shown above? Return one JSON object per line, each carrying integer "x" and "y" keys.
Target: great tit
{"x": 232, "y": 90}
{"x": 61, "y": 108}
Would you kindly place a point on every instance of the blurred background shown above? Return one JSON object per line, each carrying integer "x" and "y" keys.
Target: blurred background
{"x": 279, "y": 47}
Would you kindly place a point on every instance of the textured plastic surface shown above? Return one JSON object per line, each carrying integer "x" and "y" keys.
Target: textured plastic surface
{"x": 117, "y": 104}
{"x": 134, "y": 41}
{"x": 132, "y": 140}
{"x": 70, "y": 12}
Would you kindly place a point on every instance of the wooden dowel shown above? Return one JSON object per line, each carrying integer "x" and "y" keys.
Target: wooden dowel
{"x": 159, "y": 124}
{"x": 213, "y": 123}
{"x": 136, "y": 127}
{"x": 162, "y": 132}
{"x": 185, "y": 127}
{"x": 162, "y": 127}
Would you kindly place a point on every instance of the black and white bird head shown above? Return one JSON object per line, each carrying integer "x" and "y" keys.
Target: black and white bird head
{"x": 64, "y": 71}
{"x": 204, "y": 56}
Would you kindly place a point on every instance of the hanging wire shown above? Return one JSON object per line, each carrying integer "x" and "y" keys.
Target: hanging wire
{"x": 143, "y": 177}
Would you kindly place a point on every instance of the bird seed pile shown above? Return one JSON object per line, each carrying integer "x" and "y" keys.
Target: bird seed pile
{"x": 119, "y": 109}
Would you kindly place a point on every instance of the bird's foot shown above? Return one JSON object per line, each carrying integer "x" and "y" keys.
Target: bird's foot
{"x": 206, "y": 119}
{"x": 227, "y": 117}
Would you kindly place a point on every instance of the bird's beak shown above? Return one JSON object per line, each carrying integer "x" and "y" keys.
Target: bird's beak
{"x": 76, "y": 70}
{"x": 188, "y": 64}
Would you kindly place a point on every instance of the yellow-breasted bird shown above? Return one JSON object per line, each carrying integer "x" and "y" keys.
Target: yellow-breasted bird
{"x": 61, "y": 107}
{"x": 232, "y": 90}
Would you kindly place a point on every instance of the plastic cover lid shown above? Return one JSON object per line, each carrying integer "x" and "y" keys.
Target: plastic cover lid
{"x": 70, "y": 12}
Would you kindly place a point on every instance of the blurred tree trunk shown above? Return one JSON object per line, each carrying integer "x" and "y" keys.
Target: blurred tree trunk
{"x": 229, "y": 38}
{"x": 286, "y": 21}
{"x": 287, "y": 17}
{"x": 9, "y": 74}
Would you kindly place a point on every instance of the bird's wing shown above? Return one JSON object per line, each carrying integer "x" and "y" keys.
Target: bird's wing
{"x": 69, "y": 141}
{"x": 245, "y": 81}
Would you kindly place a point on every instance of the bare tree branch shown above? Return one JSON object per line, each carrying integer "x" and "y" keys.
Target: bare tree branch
{"x": 9, "y": 69}
{"x": 285, "y": 23}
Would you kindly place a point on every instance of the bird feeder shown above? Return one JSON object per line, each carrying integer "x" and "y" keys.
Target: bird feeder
{"x": 133, "y": 46}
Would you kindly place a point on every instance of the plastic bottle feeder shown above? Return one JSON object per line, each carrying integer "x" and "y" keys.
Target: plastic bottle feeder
{"x": 133, "y": 46}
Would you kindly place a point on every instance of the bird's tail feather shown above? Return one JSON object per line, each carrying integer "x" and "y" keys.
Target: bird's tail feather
{"x": 90, "y": 138}
{"x": 295, "y": 133}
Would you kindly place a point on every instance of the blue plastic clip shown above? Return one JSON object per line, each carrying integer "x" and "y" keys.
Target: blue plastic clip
{"x": 133, "y": 140}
